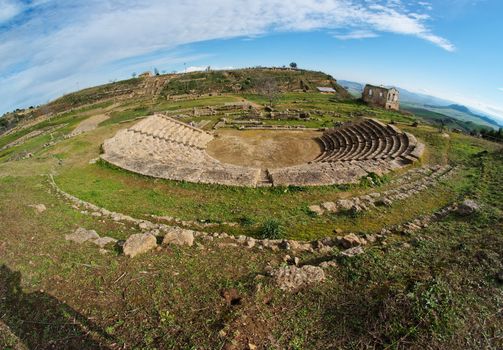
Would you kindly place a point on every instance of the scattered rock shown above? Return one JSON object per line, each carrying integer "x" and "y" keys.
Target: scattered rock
{"x": 82, "y": 235}
{"x": 316, "y": 209}
{"x": 179, "y": 236}
{"x": 468, "y": 207}
{"x": 103, "y": 251}
{"x": 327, "y": 264}
{"x": 284, "y": 244}
{"x": 103, "y": 241}
{"x": 250, "y": 242}
{"x": 351, "y": 240}
{"x": 329, "y": 206}
{"x": 344, "y": 204}
{"x": 296, "y": 246}
{"x": 139, "y": 243}
{"x": 384, "y": 201}
{"x": 227, "y": 245}
{"x": 146, "y": 225}
{"x": 231, "y": 296}
{"x": 370, "y": 238}
{"x": 291, "y": 278}
{"x": 352, "y": 251}
{"x": 39, "y": 208}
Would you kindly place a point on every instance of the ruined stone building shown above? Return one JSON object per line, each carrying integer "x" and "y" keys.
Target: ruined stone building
{"x": 382, "y": 97}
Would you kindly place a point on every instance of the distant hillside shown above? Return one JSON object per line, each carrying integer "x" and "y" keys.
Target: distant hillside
{"x": 464, "y": 113}
{"x": 414, "y": 102}
{"x": 352, "y": 87}
{"x": 251, "y": 80}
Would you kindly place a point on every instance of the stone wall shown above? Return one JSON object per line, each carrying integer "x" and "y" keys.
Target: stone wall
{"x": 382, "y": 97}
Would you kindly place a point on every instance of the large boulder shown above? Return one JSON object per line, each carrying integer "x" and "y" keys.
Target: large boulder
{"x": 179, "y": 236}
{"x": 468, "y": 207}
{"x": 82, "y": 235}
{"x": 291, "y": 278}
{"x": 139, "y": 243}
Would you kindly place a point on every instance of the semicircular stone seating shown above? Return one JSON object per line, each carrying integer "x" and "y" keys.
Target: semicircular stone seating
{"x": 163, "y": 147}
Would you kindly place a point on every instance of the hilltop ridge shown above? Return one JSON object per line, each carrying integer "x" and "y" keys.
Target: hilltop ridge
{"x": 246, "y": 80}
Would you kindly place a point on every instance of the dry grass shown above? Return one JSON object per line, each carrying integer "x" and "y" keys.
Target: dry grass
{"x": 264, "y": 148}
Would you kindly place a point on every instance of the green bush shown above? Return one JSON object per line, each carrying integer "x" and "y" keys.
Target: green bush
{"x": 271, "y": 229}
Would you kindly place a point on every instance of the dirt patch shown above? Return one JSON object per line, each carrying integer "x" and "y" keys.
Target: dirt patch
{"x": 265, "y": 148}
{"x": 90, "y": 124}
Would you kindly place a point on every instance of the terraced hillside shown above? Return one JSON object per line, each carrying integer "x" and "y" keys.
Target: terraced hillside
{"x": 100, "y": 254}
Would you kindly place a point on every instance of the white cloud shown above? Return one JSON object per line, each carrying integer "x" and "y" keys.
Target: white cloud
{"x": 60, "y": 43}
{"x": 8, "y": 10}
{"x": 356, "y": 34}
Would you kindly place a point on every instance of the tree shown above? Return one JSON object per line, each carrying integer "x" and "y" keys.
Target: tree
{"x": 267, "y": 87}
{"x": 293, "y": 65}
{"x": 156, "y": 71}
{"x": 133, "y": 74}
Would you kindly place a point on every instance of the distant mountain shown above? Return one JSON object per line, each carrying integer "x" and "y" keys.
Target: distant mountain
{"x": 353, "y": 88}
{"x": 460, "y": 108}
{"x": 464, "y": 113}
{"x": 413, "y": 102}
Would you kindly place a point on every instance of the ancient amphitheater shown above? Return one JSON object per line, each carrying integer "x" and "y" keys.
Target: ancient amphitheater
{"x": 160, "y": 146}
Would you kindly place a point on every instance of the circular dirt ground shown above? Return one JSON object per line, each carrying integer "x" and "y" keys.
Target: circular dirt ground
{"x": 264, "y": 148}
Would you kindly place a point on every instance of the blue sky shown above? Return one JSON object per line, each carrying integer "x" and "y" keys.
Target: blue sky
{"x": 448, "y": 48}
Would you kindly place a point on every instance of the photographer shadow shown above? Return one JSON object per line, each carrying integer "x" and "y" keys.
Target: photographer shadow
{"x": 40, "y": 321}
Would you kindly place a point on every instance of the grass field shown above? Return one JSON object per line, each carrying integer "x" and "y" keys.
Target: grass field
{"x": 436, "y": 288}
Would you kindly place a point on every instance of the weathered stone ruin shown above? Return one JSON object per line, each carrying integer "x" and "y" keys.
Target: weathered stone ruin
{"x": 382, "y": 97}
{"x": 163, "y": 147}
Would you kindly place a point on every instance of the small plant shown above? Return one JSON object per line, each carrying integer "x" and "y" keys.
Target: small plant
{"x": 246, "y": 221}
{"x": 271, "y": 229}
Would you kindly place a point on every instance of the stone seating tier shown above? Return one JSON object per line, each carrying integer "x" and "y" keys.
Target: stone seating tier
{"x": 367, "y": 140}
{"x": 163, "y": 147}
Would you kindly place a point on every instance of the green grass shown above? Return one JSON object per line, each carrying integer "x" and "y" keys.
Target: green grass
{"x": 439, "y": 291}
{"x": 108, "y": 187}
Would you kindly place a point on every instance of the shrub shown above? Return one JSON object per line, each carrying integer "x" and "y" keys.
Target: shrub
{"x": 271, "y": 229}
